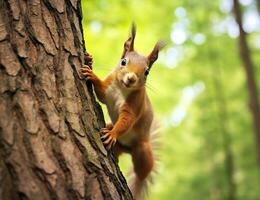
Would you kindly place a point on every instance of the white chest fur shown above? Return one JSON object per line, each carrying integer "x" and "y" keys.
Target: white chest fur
{"x": 114, "y": 100}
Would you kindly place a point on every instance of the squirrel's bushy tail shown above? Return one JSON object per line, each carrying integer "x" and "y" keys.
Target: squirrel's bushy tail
{"x": 139, "y": 188}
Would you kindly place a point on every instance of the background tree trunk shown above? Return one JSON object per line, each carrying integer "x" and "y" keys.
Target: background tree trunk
{"x": 258, "y": 6}
{"x": 223, "y": 126}
{"x": 251, "y": 82}
{"x": 49, "y": 120}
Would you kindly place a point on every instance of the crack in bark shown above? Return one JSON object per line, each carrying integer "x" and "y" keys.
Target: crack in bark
{"x": 48, "y": 28}
{"x": 27, "y": 24}
{"x": 92, "y": 167}
{"x": 114, "y": 179}
{"x": 86, "y": 156}
{"x": 41, "y": 174}
{"x": 55, "y": 14}
{"x": 40, "y": 96}
{"x": 72, "y": 194}
{"x": 69, "y": 10}
{"x": 4, "y": 146}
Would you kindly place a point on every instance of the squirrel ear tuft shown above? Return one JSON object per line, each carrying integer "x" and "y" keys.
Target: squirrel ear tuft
{"x": 154, "y": 54}
{"x": 129, "y": 43}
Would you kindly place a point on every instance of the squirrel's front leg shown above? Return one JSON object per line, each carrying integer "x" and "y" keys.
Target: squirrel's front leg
{"x": 99, "y": 85}
{"x": 125, "y": 122}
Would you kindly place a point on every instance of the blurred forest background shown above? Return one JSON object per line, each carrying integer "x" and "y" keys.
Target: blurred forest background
{"x": 198, "y": 87}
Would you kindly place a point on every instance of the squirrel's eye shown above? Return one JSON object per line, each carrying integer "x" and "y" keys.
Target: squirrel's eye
{"x": 123, "y": 62}
{"x": 146, "y": 72}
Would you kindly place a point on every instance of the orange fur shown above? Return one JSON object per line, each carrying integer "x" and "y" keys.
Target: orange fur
{"x": 123, "y": 91}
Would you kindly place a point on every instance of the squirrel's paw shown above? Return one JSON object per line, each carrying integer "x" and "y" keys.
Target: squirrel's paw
{"x": 88, "y": 59}
{"x": 108, "y": 137}
{"x": 88, "y": 73}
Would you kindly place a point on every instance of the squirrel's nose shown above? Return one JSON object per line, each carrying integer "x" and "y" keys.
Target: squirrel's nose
{"x": 130, "y": 78}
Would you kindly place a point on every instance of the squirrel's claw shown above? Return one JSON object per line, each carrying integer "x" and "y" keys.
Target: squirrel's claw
{"x": 86, "y": 68}
{"x": 88, "y": 73}
{"x": 108, "y": 138}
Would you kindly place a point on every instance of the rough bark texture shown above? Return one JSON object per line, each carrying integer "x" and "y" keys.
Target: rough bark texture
{"x": 251, "y": 82}
{"x": 49, "y": 120}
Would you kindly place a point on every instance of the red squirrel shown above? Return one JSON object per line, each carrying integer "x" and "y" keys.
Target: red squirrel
{"x": 124, "y": 93}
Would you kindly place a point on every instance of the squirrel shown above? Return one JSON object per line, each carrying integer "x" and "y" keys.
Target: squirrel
{"x": 123, "y": 92}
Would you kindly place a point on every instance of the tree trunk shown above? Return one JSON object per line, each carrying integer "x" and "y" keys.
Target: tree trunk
{"x": 251, "y": 83}
{"x": 223, "y": 123}
{"x": 258, "y": 6}
{"x": 49, "y": 120}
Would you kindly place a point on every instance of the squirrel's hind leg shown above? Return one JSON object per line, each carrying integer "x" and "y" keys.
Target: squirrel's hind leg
{"x": 118, "y": 149}
{"x": 143, "y": 161}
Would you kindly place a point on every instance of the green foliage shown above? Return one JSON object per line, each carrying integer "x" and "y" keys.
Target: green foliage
{"x": 193, "y": 164}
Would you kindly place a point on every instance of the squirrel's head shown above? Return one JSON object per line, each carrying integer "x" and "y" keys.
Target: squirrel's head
{"x": 134, "y": 68}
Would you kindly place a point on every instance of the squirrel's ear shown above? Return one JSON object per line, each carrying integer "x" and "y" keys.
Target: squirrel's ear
{"x": 154, "y": 54}
{"x": 129, "y": 43}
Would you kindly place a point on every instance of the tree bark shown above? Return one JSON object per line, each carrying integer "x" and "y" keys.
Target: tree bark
{"x": 251, "y": 82}
{"x": 49, "y": 119}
